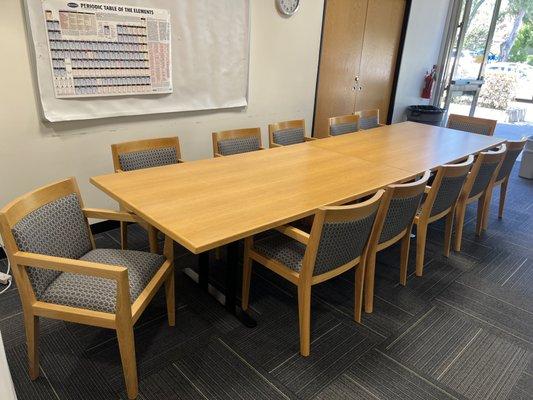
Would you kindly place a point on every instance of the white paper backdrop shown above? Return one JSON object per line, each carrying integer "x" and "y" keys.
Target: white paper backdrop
{"x": 210, "y": 60}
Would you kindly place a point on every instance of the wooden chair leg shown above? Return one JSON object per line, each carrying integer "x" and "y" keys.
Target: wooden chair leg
{"x": 126, "y": 344}
{"x": 123, "y": 235}
{"x": 404, "y": 257}
{"x": 369, "y": 283}
{"x": 246, "y": 274}
{"x": 359, "y": 283}
{"x": 503, "y": 193}
{"x": 152, "y": 240}
{"x": 304, "y": 316}
{"x": 170, "y": 295}
{"x": 448, "y": 233}
{"x": 459, "y": 222}
{"x": 31, "y": 325}
{"x": 421, "y": 232}
{"x": 480, "y": 214}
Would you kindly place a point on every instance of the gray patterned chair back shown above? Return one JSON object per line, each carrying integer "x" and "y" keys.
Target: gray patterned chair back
{"x": 148, "y": 158}
{"x": 368, "y": 122}
{"x": 508, "y": 163}
{"x": 228, "y": 147}
{"x": 56, "y": 229}
{"x": 449, "y": 191}
{"x": 342, "y": 242}
{"x": 286, "y": 137}
{"x": 483, "y": 177}
{"x": 400, "y": 215}
{"x": 472, "y": 127}
{"x": 341, "y": 129}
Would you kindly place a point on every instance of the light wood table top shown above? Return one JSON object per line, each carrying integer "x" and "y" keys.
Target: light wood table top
{"x": 207, "y": 203}
{"x": 410, "y": 146}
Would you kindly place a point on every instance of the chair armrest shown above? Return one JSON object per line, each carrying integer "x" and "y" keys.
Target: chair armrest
{"x": 272, "y": 145}
{"x": 218, "y": 155}
{"x": 82, "y": 267}
{"x": 310, "y": 139}
{"x": 100, "y": 213}
{"x": 427, "y": 189}
{"x": 295, "y": 233}
{"x": 180, "y": 161}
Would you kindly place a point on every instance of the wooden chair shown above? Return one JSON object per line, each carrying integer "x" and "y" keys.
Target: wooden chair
{"x": 513, "y": 150}
{"x": 140, "y": 154}
{"x": 60, "y": 274}
{"x": 339, "y": 241}
{"x": 477, "y": 187}
{"x": 481, "y": 126}
{"x": 368, "y": 119}
{"x": 441, "y": 199}
{"x": 343, "y": 124}
{"x": 397, "y": 210}
{"x": 226, "y": 143}
{"x": 287, "y": 133}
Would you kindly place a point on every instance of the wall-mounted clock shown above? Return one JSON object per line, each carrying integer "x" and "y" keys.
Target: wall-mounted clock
{"x": 288, "y": 7}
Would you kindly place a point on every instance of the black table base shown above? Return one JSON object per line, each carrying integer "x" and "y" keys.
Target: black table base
{"x": 227, "y": 299}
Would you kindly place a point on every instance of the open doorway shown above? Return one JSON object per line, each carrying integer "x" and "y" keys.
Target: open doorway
{"x": 487, "y": 63}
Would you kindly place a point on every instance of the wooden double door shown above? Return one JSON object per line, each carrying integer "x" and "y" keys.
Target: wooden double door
{"x": 360, "y": 42}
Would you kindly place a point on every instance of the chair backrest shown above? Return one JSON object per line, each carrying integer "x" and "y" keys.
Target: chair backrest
{"x": 484, "y": 171}
{"x": 339, "y": 236}
{"x": 513, "y": 150}
{"x": 287, "y": 132}
{"x": 368, "y": 119}
{"x": 446, "y": 187}
{"x": 147, "y": 153}
{"x": 343, "y": 124}
{"x": 399, "y": 206}
{"x": 226, "y": 143}
{"x": 47, "y": 221}
{"x": 482, "y": 126}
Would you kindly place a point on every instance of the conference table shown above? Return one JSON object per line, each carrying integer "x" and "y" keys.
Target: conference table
{"x": 208, "y": 203}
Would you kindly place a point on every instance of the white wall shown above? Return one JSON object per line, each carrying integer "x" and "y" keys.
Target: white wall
{"x": 421, "y": 51}
{"x": 284, "y": 60}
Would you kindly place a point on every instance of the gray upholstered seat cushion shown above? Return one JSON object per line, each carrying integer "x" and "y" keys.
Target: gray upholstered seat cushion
{"x": 368, "y": 122}
{"x": 469, "y": 127}
{"x": 290, "y": 136}
{"x": 148, "y": 158}
{"x": 99, "y": 294}
{"x": 341, "y": 129}
{"x": 228, "y": 147}
{"x": 283, "y": 249}
{"x": 56, "y": 229}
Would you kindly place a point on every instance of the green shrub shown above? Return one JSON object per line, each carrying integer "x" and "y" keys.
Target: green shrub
{"x": 498, "y": 90}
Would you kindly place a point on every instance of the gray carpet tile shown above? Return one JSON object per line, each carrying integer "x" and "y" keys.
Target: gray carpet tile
{"x": 40, "y": 389}
{"x": 219, "y": 373}
{"x": 463, "y": 330}
{"x": 377, "y": 376}
{"x": 461, "y": 355}
{"x": 505, "y": 316}
{"x": 167, "y": 384}
{"x": 64, "y": 368}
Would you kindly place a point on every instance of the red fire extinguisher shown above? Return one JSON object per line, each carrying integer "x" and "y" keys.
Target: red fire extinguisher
{"x": 429, "y": 78}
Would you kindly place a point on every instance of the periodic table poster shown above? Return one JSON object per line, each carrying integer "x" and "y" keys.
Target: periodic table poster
{"x": 100, "y": 49}
{"x": 110, "y": 58}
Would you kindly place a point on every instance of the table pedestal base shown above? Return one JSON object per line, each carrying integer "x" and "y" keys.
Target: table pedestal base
{"x": 227, "y": 299}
